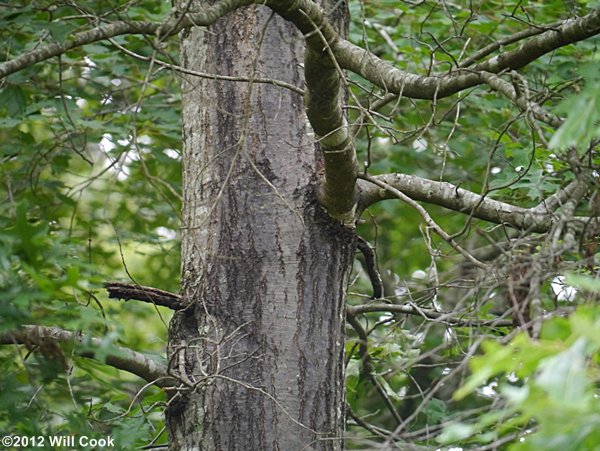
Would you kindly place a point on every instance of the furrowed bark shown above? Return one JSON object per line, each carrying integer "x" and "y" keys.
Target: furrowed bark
{"x": 263, "y": 265}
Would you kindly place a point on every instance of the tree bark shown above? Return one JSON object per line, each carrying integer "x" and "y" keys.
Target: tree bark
{"x": 260, "y": 351}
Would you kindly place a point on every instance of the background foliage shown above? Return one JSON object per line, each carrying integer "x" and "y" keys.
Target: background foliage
{"x": 90, "y": 148}
{"x": 91, "y": 192}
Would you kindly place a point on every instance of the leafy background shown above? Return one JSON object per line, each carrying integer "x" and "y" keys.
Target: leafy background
{"x": 90, "y": 149}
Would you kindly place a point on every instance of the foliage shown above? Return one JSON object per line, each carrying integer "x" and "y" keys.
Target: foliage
{"x": 90, "y": 170}
{"x": 546, "y": 386}
{"x": 480, "y": 141}
{"x": 583, "y": 114}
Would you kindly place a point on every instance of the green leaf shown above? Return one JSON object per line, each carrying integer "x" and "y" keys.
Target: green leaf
{"x": 583, "y": 282}
{"x": 582, "y": 124}
{"x": 498, "y": 359}
{"x": 455, "y": 432}
{"x": 13, "y": 99}
{"x": 59, "y": 31}
{"x": 563, "y": 375}
{"x": 388, "y": 389}
{"x": 436, "y": 411}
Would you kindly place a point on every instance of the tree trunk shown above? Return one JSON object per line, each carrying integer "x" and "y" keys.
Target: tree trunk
{"x": 261, "y": 351}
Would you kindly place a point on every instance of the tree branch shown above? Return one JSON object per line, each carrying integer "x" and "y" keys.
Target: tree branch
{"x": 326, "y": 54}
{"x": 450, "y": 318}
{"x": 390, "y": 79}
{"x": 427, "y": 218}
{"x": 571, "y": 31}
{"x": 196, "y": 73}
{"x": 162, "y": 29}
{"x": 119, "y": 357}
{"x": 491, "y": 48}
{"x": 127, "y": 291}
{"x": 367, "y": 366}
{"x": 447, "y": 195}
{"x": 371, "y": 267}
{"x": 323, "y": 100}
{"x": 338, "y": 192}
{"x": 560, "y": 197}
{"x": 524, "y": 103}
{"x": 308, "y": 17}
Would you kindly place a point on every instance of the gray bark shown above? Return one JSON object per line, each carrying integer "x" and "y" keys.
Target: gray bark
{"x": 260, "y": 352}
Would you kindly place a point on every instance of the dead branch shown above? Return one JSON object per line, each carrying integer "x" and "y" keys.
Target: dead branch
{"x": 129, "y": 291}
{"x": 371, "y": 267}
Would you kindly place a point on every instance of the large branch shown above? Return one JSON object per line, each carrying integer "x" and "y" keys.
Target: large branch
{"x": 323, "y": 99}
{"x": 391, "y": 79}
{"x": 100, "y": 33}
{"x": 323, "y": 106}
{"x": 118, "y": 357}
{"x": 504, "y": 42}
{"x": 537, "y": 219}
{"x": 381, "y": 73}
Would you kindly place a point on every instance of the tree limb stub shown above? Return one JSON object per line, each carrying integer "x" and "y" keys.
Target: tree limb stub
{"x": 118, "y": 357}
{"x": 128, "y": 291}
